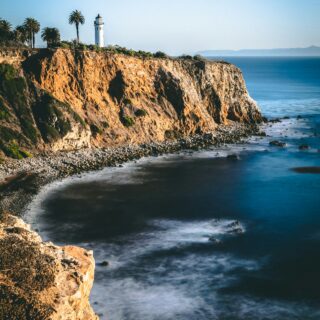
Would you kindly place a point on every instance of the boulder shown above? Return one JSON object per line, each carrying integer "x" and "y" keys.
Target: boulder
{"x": 304, "y": 147}
{"x": 277, "y": 143}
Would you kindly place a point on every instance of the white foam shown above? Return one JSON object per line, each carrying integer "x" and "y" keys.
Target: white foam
{"x": 165, "y": 235}
{"x": 129, "y": 299}
{"x": 269, "y": 309}
{"x": 171, "y": 288}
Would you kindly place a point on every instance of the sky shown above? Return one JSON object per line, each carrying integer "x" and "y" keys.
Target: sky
{"x": 180, "y": 26}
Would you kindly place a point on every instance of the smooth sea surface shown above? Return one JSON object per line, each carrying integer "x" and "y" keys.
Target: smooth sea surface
{"x": 197, "y": 236}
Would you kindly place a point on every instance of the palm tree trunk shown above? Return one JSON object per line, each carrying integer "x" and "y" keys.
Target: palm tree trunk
{"x": 33, "y": 40}
{"x": 78, "y": 37}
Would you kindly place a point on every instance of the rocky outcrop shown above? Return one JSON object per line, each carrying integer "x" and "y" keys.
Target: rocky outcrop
{"x": 40, "y": 281}
{"x": 15, "y": 56}
{"x": 65, "y": 100}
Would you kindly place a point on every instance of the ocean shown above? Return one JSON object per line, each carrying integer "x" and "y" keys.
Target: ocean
{"x": 197, "y": 235}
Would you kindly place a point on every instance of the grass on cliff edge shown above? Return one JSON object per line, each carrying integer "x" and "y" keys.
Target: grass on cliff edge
{"x": 125, "y": 51}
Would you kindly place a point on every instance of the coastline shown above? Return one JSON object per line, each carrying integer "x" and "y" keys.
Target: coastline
{"x": 21, "y": 180}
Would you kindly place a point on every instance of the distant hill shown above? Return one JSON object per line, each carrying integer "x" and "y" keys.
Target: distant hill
{"x": 312, "y": 51}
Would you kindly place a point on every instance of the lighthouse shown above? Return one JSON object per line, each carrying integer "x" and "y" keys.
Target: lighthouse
{"x": 99, "y": 32}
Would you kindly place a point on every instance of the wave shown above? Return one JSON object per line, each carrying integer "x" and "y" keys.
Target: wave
{"x": 143, "y": 283}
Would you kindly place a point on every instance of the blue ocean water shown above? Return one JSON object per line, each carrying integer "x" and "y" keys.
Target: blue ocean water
{"x": 199, "y": 236}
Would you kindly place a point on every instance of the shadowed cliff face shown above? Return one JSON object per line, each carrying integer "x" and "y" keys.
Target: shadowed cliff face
{"x": 72, "y": 100}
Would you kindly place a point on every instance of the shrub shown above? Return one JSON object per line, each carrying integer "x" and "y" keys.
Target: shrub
{"x": 105, "y": 124}
{"x": 127, "y": 101}
{"x": 25, "y": 154}
{"x": 52, "y": 121}
{"x": 185, "y": 57}
{"x": 144, "y": 54}
{"x": 94, "y": 47}
{"x": 160, "y": 54}
{"x": 141, "y": 113}
{"x": 81, "y": 46}
{"x": 4, "y": 112}
{"x": 198, "y": 57}
{"x": 95, "y": 130}
{"x": 65, "y": 45}
{"x": 13, "y": 89}
{"x": 127, "y": 121}
{"x": 7, "y": 134}
{"x": 3, "y": 115}
{"x": 12, "y": 150}
{"x": 128, "y": 52}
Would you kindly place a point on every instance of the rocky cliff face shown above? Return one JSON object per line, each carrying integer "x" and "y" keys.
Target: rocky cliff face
{"x": 40, "y": 281}
{"x": 63, "y": 100}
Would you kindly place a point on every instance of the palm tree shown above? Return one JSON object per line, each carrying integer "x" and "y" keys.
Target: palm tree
{"x": 76, "y": 18}
{"x": 5, "y": 29}
{"x": 21, "y": 34}
{"x": 33, "y": 27}
{"x": 51, "y": 36}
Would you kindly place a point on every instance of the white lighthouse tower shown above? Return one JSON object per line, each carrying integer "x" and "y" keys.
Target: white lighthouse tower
{"x": 99, "y": 32}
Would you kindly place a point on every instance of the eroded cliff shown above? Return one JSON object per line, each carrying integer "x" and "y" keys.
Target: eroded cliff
{"x": 63, "y": 100}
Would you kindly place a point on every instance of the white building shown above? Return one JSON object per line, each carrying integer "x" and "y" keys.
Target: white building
{"x": 99, "y": 32}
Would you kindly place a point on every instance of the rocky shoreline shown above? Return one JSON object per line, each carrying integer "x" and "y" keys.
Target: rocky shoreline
{"x": 20, "y": 180}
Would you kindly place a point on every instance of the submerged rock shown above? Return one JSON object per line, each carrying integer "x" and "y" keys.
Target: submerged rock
{"x": 276, "y": 120}
{"x": 304, "y": 147}
{"x": 235, "y": 227}
{"x": 315, "y": 170}
{"x": 214, "y": 240}
{"x": 277, "y": 143}
{"x": 104, "y": 264}
{"x": 233, "y": 157}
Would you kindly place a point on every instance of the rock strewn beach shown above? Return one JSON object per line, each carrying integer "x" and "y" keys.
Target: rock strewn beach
{"x": 20, "y": 180}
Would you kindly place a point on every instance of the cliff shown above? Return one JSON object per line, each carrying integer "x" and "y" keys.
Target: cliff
{"x": 63, "y": 100}
{"x": 55, "y": 100}
{"x": 40, "y": 281}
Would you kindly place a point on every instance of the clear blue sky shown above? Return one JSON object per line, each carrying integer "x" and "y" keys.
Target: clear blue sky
{"x": 181, "y": 26}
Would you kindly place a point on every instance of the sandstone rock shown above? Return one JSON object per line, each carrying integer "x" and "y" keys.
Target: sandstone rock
{"x": 41, "y": 281}
{"x": 88, "y": 99}
{"x": 233, "y": 157}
